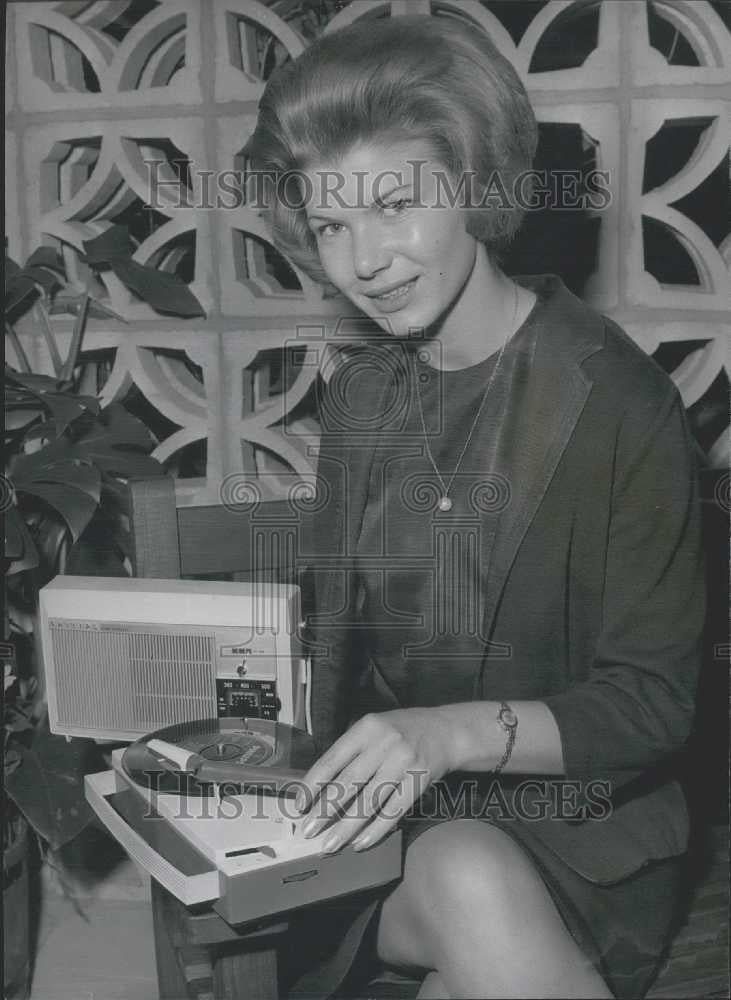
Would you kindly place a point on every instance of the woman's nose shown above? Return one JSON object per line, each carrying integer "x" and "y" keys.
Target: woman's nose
{"x": 370, "y": 250}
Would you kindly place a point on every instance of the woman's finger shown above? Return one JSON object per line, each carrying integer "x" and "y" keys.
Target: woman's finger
{"x": 343, "y": 790}
{"x": 398, "y": 804}
{"x": 327, "y": 767}
{"x": 360, "y": 815}
{"x": 378, "y": 808}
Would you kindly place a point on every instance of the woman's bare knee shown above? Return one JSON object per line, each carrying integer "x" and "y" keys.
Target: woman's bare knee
{"x": 470, "y": 902}
{"x": 449, "y": 872}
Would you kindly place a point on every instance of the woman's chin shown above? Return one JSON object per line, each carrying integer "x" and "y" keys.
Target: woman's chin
{"x": 401, "y": 327}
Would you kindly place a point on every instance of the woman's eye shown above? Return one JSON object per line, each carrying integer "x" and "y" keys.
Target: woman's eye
{"x": 330, "y": 229}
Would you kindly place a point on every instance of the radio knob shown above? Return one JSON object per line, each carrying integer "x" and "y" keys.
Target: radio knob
{"x": 241, "y": 669}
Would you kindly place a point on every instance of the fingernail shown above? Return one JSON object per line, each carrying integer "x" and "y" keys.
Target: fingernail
{"x": 310, "y": 828}
{"x": 303, "y": 800}
{"x": 331, "y": 844}
{"x": 360, "y": 843}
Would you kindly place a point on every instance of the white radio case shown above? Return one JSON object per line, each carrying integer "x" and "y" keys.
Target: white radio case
{"x": 125, "y": 657}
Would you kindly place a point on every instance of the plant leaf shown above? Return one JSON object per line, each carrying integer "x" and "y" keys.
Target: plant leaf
{"x": 128, "y": 463}
{"x": 14, "y": 546}
{"x": 124, "y": 428}
{"x": 52, "y": 538}
{"x": 11, "y": 269}
{"x": 43, "y": 386}
{"x": 19, "y": 544}
{"x": 35, "y": 383}
{"x": 18, "y": 289}
{"x": 48, "y": 280}
{"x": 76, "y": 507}
{"x": 28, "y": 467}
{"x": 47, "y": 430}
{"x": 114, "y": 243}
{"x": 68, "y": 302}
{"x": 63, "y": 405}
{"x": 12, "y": 760}
{"x": 165, "y": 292}
{"x": 18, "y": 541}
{"x": 64, "y": 409}
{"x": 81, "y": 477}
{"x": 48, "y": 787}
{"x": 47, "y": 257}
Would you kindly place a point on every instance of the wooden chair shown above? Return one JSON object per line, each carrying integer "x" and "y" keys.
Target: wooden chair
{"x": 247, "y": 542}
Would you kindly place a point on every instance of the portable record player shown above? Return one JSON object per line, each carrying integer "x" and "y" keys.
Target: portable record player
{"x": 207, "y": 808}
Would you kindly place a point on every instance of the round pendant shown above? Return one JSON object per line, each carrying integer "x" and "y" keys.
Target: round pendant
{"x": 445, "y": 503}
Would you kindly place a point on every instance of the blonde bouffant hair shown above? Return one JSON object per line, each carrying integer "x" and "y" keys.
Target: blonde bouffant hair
{"x": 427, "y": 78}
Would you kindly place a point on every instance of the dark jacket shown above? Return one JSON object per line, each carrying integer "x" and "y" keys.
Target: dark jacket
{"x": 596, "y": 575}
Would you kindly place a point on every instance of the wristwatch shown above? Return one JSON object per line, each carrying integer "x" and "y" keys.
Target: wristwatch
{"x": 508, "y": 721}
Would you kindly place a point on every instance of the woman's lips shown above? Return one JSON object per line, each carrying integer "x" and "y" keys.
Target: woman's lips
{"x": 396, "y": 299}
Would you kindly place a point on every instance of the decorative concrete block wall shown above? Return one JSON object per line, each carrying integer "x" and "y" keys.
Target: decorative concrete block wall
{"x": 96, "y": 91}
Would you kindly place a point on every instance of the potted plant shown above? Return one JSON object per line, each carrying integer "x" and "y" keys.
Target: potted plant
{"x": 67, "y": 459}
{"x": 16, "y": 929}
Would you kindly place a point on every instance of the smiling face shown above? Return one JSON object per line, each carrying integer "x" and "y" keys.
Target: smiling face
{"x": 387, "y": 236}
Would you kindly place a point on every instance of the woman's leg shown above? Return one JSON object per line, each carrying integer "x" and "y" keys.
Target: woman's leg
{"x": 473, "y": 908}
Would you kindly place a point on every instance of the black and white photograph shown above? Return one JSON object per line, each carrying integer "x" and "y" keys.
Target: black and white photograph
{"x": 366, "y": 497}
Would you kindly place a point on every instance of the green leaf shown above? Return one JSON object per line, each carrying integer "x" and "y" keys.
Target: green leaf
{"x": 62, "y": 404}
{"x": 36, "y": 383}
{"x": 98, "y": 556}
{"x": 19, "y": 544}
{"x": 69, "y": 302}
{"x": 124, "y": 428}
{"x": 83, "y": 477}
{"x": 28, "y": 466}
{"x": 46, "y": 257}
{"x": 165, "y": 292}
{"x": 12, "y": 760}
{"x": 11, "y": 269}
{"x": 52, "y": 538}
{"x": 46, "y": 430}
{"x": 111, "y": 245}
{"x": 18, "y": 290}
{"x": 43, "y": 277}
{"x": 43, "y": 386}
{"x": 64, "y": 409}
{"x": 19, "y": 420}
{"x": 16, "y": 535}
{"x": 128, "y": 464}
{"x": 48, "y": 786}
{"x": 76, "y": 507}
{"x": 18, "y": 722}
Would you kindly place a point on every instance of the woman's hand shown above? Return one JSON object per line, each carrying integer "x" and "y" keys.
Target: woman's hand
{"x": 377, "y": 769}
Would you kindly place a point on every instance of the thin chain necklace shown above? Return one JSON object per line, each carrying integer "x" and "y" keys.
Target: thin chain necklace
{"x": 445, "y": 502}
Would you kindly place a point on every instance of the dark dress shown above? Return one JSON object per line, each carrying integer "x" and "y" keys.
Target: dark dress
{"x": 421, "y": 583}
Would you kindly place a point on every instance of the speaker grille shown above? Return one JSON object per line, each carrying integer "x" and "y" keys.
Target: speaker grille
{"x": 131, "y": 680}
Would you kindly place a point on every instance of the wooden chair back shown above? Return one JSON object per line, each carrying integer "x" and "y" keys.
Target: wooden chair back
{"x": 266, "y": 540}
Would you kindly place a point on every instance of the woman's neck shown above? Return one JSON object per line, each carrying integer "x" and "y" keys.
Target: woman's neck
{"x": 489, "y": 309}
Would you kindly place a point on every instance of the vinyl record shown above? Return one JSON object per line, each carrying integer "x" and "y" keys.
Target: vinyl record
{"x": 234, "y": 755}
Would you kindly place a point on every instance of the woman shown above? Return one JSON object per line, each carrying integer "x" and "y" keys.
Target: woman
{"x": 508, "y": 552}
